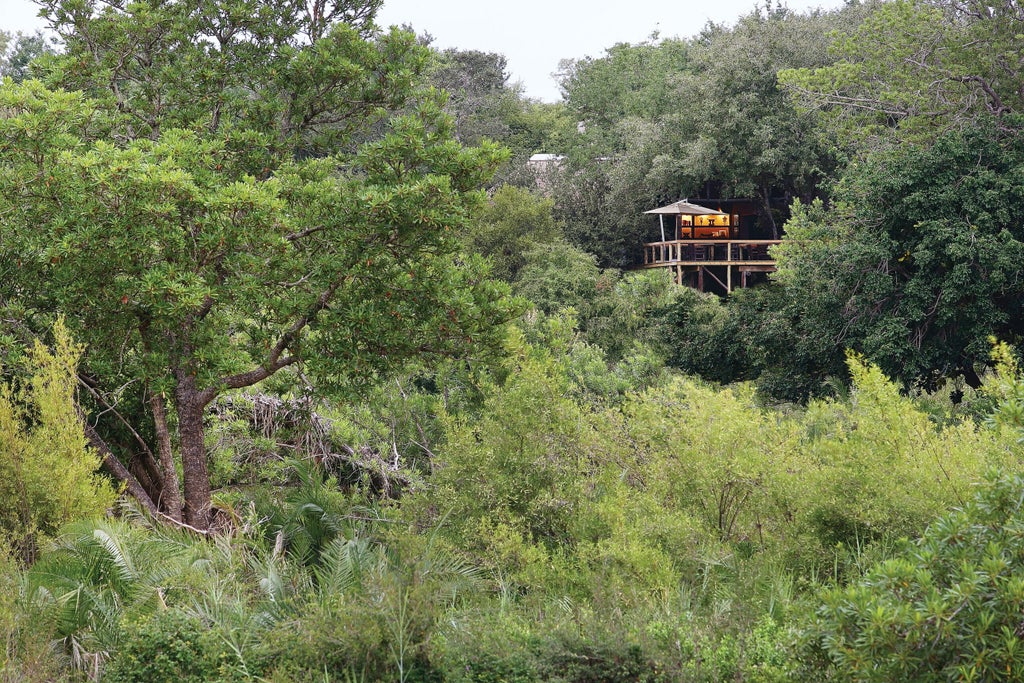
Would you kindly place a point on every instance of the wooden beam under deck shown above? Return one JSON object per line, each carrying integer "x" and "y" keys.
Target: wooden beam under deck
{"x": 688, "y": 257}
{"x": 735, "y": 264}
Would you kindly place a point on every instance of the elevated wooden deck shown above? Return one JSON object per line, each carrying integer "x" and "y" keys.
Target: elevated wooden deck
{"x": 697, "y": 259}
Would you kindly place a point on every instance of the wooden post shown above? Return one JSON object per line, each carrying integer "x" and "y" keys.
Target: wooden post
{"x": 661, "y": 221}
{"x": 728, "y": 268}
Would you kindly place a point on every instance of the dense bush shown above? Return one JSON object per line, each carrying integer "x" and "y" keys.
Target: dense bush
{"x": 948, "y": 607}
{"x": 171, "y": 648}
{"x": 47, "y": 470}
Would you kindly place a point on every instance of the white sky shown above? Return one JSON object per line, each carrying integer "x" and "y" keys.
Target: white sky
{"x": 533, "y": 34}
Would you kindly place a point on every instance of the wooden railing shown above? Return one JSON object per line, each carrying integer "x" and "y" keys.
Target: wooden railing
{"x": 708, "y": 253}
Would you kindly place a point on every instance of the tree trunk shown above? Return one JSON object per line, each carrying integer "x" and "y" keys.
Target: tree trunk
{"x": 193, "y": 453}
{"x": 145, "y": 478}
{"x": 119, "y": 471}
{"x": 766, "y": 204}
{"x": 170, "y": 498}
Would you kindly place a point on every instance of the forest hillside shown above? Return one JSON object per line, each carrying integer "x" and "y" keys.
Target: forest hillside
{"x": 327, "y": 355}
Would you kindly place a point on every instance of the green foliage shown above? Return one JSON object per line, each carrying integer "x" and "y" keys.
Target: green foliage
{"x": 519, "y": 462}
{"x": 947, "y": 607}
{"x": 886, "y": 469}
{"x": 629, "y": 80}
{"x": 485, "y": 105}
{"x": 558, "y": 275}
{"x": 479, "y": 96}
{"x": 25, "y": 650}
{"x": 607, "y": 181}
{"x": 912, "y": 70}
{"x": 1003, "y": 391}
{"x": 309, "y": 515}
{"x": 701, "y": 118}
{"x": 513, "y": 222}
{"x": 47, "y": 470}
{"x": 627, "y": 309}
{"x": 99, "y": 573}
{"x": 713, "y": 463}
{"x": 292, "y": 195}
{"x": 752, "y": 142}
{"x": 919, "y": 282}
{"x": 703, "y": 336}
{"x": 491, "y": 647}
{"x": 169, "y": 647}
{"x": 374, "y": 612}
{"x": 579, "y": 660}
{"x": 571, "y": 511}
{"x": 540, "y": 127}
{"x": 718, "y": 456}
{"x": 17, "y": 53}
{"x": 660, "y": 536}
{"x": 623, "y": 314}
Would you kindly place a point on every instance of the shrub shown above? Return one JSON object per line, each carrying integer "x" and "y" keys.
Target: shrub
{"x": 25, "y": 652}
{"x": 170, "y": 648}
{"x": 882, "y": 467}
{"x": 947, "y": 608}
{"x": 491, "y": 647}
{"x": 47, "y": 471}
{"x": 574, "y": 659}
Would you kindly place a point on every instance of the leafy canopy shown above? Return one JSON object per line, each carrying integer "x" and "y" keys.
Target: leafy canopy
{"x": 947, "y": 607}
{"x": 235, "y": 188}
{"x": 914, "y": 69}
{"x": 917, "y": 263}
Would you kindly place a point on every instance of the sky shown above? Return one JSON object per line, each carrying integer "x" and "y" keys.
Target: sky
{"x": 533, "y": 34}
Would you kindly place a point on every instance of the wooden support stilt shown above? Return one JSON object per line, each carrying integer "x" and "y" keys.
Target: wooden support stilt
{"x": 728, "y": 269}
{"x": 714, "y": 277}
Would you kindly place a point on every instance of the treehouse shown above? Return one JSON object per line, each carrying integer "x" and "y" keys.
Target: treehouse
{"x": 708, "y": 249}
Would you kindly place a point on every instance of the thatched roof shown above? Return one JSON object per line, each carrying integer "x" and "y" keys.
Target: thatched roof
{"x": 687, "y": 209}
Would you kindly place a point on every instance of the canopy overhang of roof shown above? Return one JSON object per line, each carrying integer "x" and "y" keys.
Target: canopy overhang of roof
{"x": 687, "y": 209}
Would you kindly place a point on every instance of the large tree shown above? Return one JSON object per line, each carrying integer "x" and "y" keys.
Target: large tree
{"x": 233, "y": 194}
{"x": 19, "y": 51}
{"x": 914, "y": 69}
{"x": 918, "y": 264}
{"x": 702, "y": 118}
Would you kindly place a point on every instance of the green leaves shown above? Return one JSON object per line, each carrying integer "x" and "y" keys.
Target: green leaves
{"x": 913, "y": 70}
{"x": 47, "y": 472}
{"x": 948, "y": 606}
{"x": 915, "y": 264}
{"x": 250, "y": 185}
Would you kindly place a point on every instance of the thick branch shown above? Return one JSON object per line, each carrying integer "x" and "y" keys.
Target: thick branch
{"x": 276, "y": 360}
{"x": 118, "y": 470}
{"x": 996, "y": 103}
{"x": 295, "y": 236}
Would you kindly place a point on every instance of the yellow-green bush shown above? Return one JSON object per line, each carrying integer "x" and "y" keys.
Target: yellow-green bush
{"x": 946, "y": 607}
{"x": 47, "y": 471}
{"x": 561, "y": 495}
{"x": 716, "y": 455}
{"x": 879, "y": 465}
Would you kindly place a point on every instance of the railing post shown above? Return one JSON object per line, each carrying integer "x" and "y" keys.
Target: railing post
{"x": 728, "y": 268}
